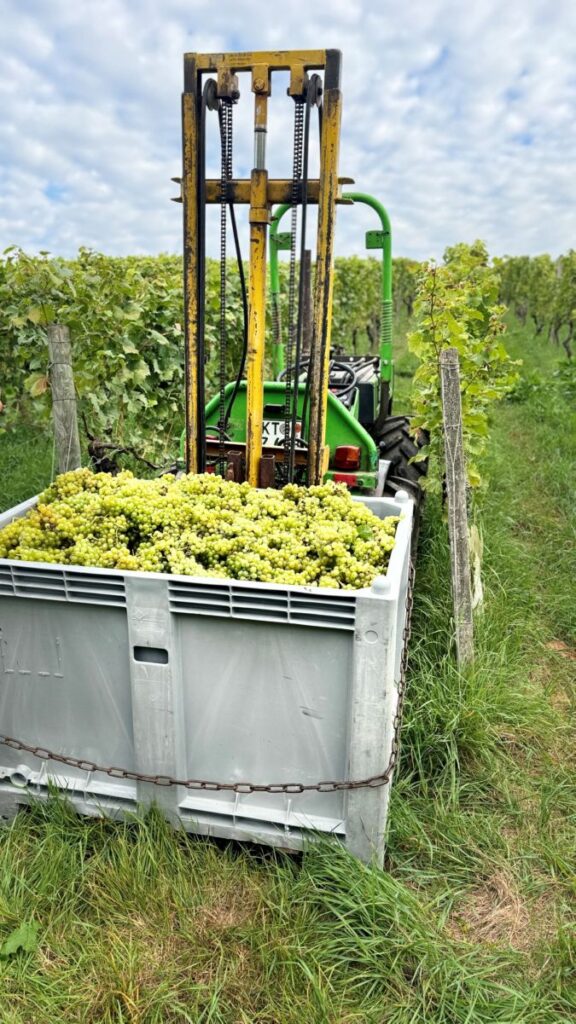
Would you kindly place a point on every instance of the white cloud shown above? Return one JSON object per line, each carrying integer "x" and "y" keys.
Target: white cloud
{"x": 459, "y": 118}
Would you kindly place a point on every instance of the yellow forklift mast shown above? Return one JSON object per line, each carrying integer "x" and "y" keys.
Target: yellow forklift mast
{"x": 211, "y": 83}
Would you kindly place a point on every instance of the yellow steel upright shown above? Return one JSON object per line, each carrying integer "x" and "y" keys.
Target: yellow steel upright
{"x": 190, "y": 201}
{"x": 260, "y": 194}
{"x": 259, "y": 217}
{"x": 324, "y": 282}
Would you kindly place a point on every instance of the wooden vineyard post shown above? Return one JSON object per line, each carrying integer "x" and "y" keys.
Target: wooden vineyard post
{"x": 64, "y": 413}
{"x": 457, "y": 512}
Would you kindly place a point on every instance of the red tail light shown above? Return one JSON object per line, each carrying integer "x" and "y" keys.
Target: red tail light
{"x": 347, "y": 456}
{"x": 350, "y": 479}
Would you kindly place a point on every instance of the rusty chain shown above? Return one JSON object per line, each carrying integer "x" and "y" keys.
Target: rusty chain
{"x": 383, "y": 779}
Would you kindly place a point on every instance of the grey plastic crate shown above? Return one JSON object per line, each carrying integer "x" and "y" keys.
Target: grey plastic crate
{"x": 217, "y": 680}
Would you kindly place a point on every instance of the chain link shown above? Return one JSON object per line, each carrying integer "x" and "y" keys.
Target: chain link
{"x": 383, "y": 779}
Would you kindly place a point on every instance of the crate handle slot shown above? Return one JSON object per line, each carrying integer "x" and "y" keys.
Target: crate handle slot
{"x": 151, "y": 655}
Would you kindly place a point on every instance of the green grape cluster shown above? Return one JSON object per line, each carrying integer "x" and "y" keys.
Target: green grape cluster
{"x": 203, "y": 525}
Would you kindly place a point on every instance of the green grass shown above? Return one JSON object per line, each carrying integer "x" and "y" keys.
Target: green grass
{"x": 474, "y": 919}
{"x": 26, "y": 464}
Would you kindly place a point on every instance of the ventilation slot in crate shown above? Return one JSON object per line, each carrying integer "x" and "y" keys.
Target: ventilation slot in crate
{"x": 48, "y": 584}
{"x": 260, "y": 603}
{"x": 263, "y": 603}
{"x": 198, "y": 599}
{"x": 6, "y": 585}
{"x": 95, "y": 588}
{"x": 55, "y": 584}
{"x": 334, "y": 613}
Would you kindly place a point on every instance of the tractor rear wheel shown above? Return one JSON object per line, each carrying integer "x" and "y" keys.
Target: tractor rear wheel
{"x": 398, "y": 446}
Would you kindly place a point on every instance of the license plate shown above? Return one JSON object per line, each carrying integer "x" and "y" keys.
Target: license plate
{"x": 273, "y": 432}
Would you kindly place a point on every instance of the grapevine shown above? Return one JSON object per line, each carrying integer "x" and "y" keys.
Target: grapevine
{"x": 203, "y": 525}
{"x": 456, "y": 306}
{"x": 124, "y": 315}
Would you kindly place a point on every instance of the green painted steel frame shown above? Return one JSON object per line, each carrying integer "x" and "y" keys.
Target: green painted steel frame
{"x": 278, "y": 361}
{"x": 386, "y": 356}
{"x": 369, "y": 450}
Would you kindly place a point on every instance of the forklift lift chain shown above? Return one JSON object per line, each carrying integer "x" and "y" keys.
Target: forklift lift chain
{"x": 383, "y": 779}
{"x": 291, "y": 393}
{"x": 225, "y": 119}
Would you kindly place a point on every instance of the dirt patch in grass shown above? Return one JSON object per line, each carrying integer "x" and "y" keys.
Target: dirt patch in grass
{"x": 495, "y": 914}
{"x": 556, "y": 674}
{"x": 227, "y": 907}
{"x": 562, "y": 649}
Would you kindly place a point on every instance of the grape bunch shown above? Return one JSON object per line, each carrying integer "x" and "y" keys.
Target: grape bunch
{"x": 203, "y": 525}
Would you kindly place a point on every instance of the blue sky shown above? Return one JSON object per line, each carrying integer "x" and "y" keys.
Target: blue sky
{"x": 460, "y": 117}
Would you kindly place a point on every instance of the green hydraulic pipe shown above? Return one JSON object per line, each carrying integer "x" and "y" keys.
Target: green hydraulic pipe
{"x": 386, "y": 363}
{"x": 277, "y": 346}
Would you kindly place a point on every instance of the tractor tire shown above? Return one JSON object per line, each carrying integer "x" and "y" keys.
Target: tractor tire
{"x": 397, "y": 445}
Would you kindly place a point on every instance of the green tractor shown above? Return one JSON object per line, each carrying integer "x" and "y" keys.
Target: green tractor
{"x": 327, "y": 415}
